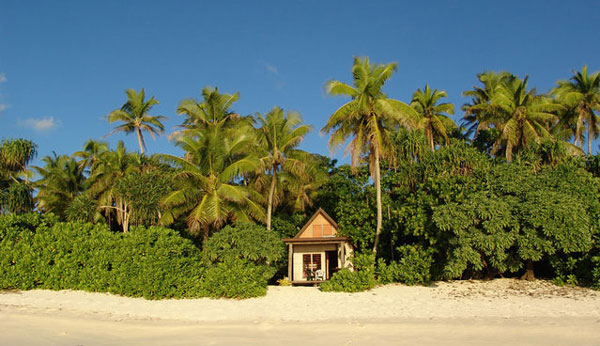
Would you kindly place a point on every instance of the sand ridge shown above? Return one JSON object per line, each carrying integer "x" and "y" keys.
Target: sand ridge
{"x": 504, "y": 298}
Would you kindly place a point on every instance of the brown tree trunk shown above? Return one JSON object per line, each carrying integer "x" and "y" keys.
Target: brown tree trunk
{"x": 139, "y": 138}
{"x": 529, "y": 275}
{"x": 429, "y": 135}
{"x": 589, "y": 139}
{"x": 377, "y": 182}
{"x": 270, "y": 202}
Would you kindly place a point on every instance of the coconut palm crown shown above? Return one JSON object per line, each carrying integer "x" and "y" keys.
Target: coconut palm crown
{"x": 206, "y": 189}
{"x": 134, "y": 116}
{"x": 434, "y": 116}
{"x": 582, "y": 91}
{"x": 214, "y": 110}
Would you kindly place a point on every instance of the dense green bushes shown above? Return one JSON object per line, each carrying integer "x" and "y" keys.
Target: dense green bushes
{"x": 240, "y": 260}
{"x": 362, "y": 278}
{"x": 471, "y": 216}
{"x": 412, "y": 268}
{"x": 155, "y": 262}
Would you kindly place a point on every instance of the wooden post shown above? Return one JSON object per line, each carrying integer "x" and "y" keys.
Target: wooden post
{"x": 343, "y": 256}
{"x": 290, "y": 258}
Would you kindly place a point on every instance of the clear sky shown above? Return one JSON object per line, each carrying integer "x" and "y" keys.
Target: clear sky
{"x": 64, "y": 65}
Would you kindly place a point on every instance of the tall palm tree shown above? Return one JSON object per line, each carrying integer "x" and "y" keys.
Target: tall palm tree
{"x": 524, "y": 116}
{"x": 279, "y": 135}
{"x": 208, "y": 191}
{"x": 434, "y": 116}
{"x": 213, "y": 110}
{"x": 368, "y": 118}
{"x": 582, "y": 90}
{"x": 477, "y": 111}
{"x": 135, "y": 117}
{"x": 521, "y": 116}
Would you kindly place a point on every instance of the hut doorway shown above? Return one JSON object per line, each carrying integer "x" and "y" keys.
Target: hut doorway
{"x": 331, "y": 260}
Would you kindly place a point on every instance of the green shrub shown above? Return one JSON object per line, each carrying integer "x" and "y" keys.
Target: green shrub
{"x": 244, "y": 241}
{"x": 154, "y": 262}
{"x": 12, "y": 225}
{"x": 350, "y": 281}
{"x": 236, "y": 278}
{"x": 361, "y": 279}
{"x": 160, "y": 262}
{"x": 241, "y": 259}
{"x": 414, "y": 267}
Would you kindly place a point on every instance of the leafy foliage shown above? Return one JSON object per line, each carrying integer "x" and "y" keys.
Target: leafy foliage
{"x": 245, "y": 241}
{"x": 39, "y": 252}
{"x": 413, "y": 267}
{"x": 363, "y": 278}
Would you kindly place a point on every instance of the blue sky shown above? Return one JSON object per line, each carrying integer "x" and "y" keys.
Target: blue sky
{"x": 64, "y": 65}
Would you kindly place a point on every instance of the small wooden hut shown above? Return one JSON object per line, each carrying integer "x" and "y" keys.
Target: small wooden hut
{"x": 316, "y": 252}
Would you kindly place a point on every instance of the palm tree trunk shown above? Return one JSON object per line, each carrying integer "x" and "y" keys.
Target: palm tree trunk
{"x": 139, "y": 138}
{"x": 589, "y": 139}
{"x": 377, "y": 182}
{"x": 270, "y": 203}
{"x": 429, "y": 135}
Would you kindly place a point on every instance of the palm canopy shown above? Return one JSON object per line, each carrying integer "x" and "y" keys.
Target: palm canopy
{"x": 477, "y": 111}
{"x": 369, "y": 118}
{"x": 61, "y": 181}
{"x": 91, "y": 153}
{"x": 582, "y": 94}
{"x": 278, "y": 137}
{"x": 213, "y": 110}
{"x": 521, "y": 116}
{"x": 111, "y": 166}
{"x": 370, "y": 115}
{"x": 135, "y": 118}
{"x": 208, "y": 192}
{"x": 434, "y": 116}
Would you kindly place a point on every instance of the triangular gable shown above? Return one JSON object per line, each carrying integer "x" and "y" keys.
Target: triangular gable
{"x": 320, "y": 225}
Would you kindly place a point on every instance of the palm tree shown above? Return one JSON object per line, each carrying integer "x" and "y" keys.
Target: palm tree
{"x": 433, "y": 120}
{"x": 62, "y": 180}
{"x": 213, "y": 110}
{"x": 300, "y": 191}
{"x": 368, "y": 118}
{"x": 134, "y": 115}
{"x": 207, "y": 190}
{"x": 582, "y": 91}
{"x": 476, "y": 112}
{"x": 111, "y": 166}
{"x": 91, "y": 153}
{"x": 520, "y": 115}
{"x": 278, "y": 137}
{"x": 525, "y": 117}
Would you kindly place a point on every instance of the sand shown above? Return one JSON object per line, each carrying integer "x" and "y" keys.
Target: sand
{"x": 503, "y": 311}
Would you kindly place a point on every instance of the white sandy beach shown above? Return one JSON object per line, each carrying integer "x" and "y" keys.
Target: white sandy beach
{"x": 455, "y": 313}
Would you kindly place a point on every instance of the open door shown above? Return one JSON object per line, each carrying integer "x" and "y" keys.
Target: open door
{"x": 331, "y": 258}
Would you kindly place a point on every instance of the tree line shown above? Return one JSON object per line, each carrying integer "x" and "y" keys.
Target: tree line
{"x": 472, "y": 198}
